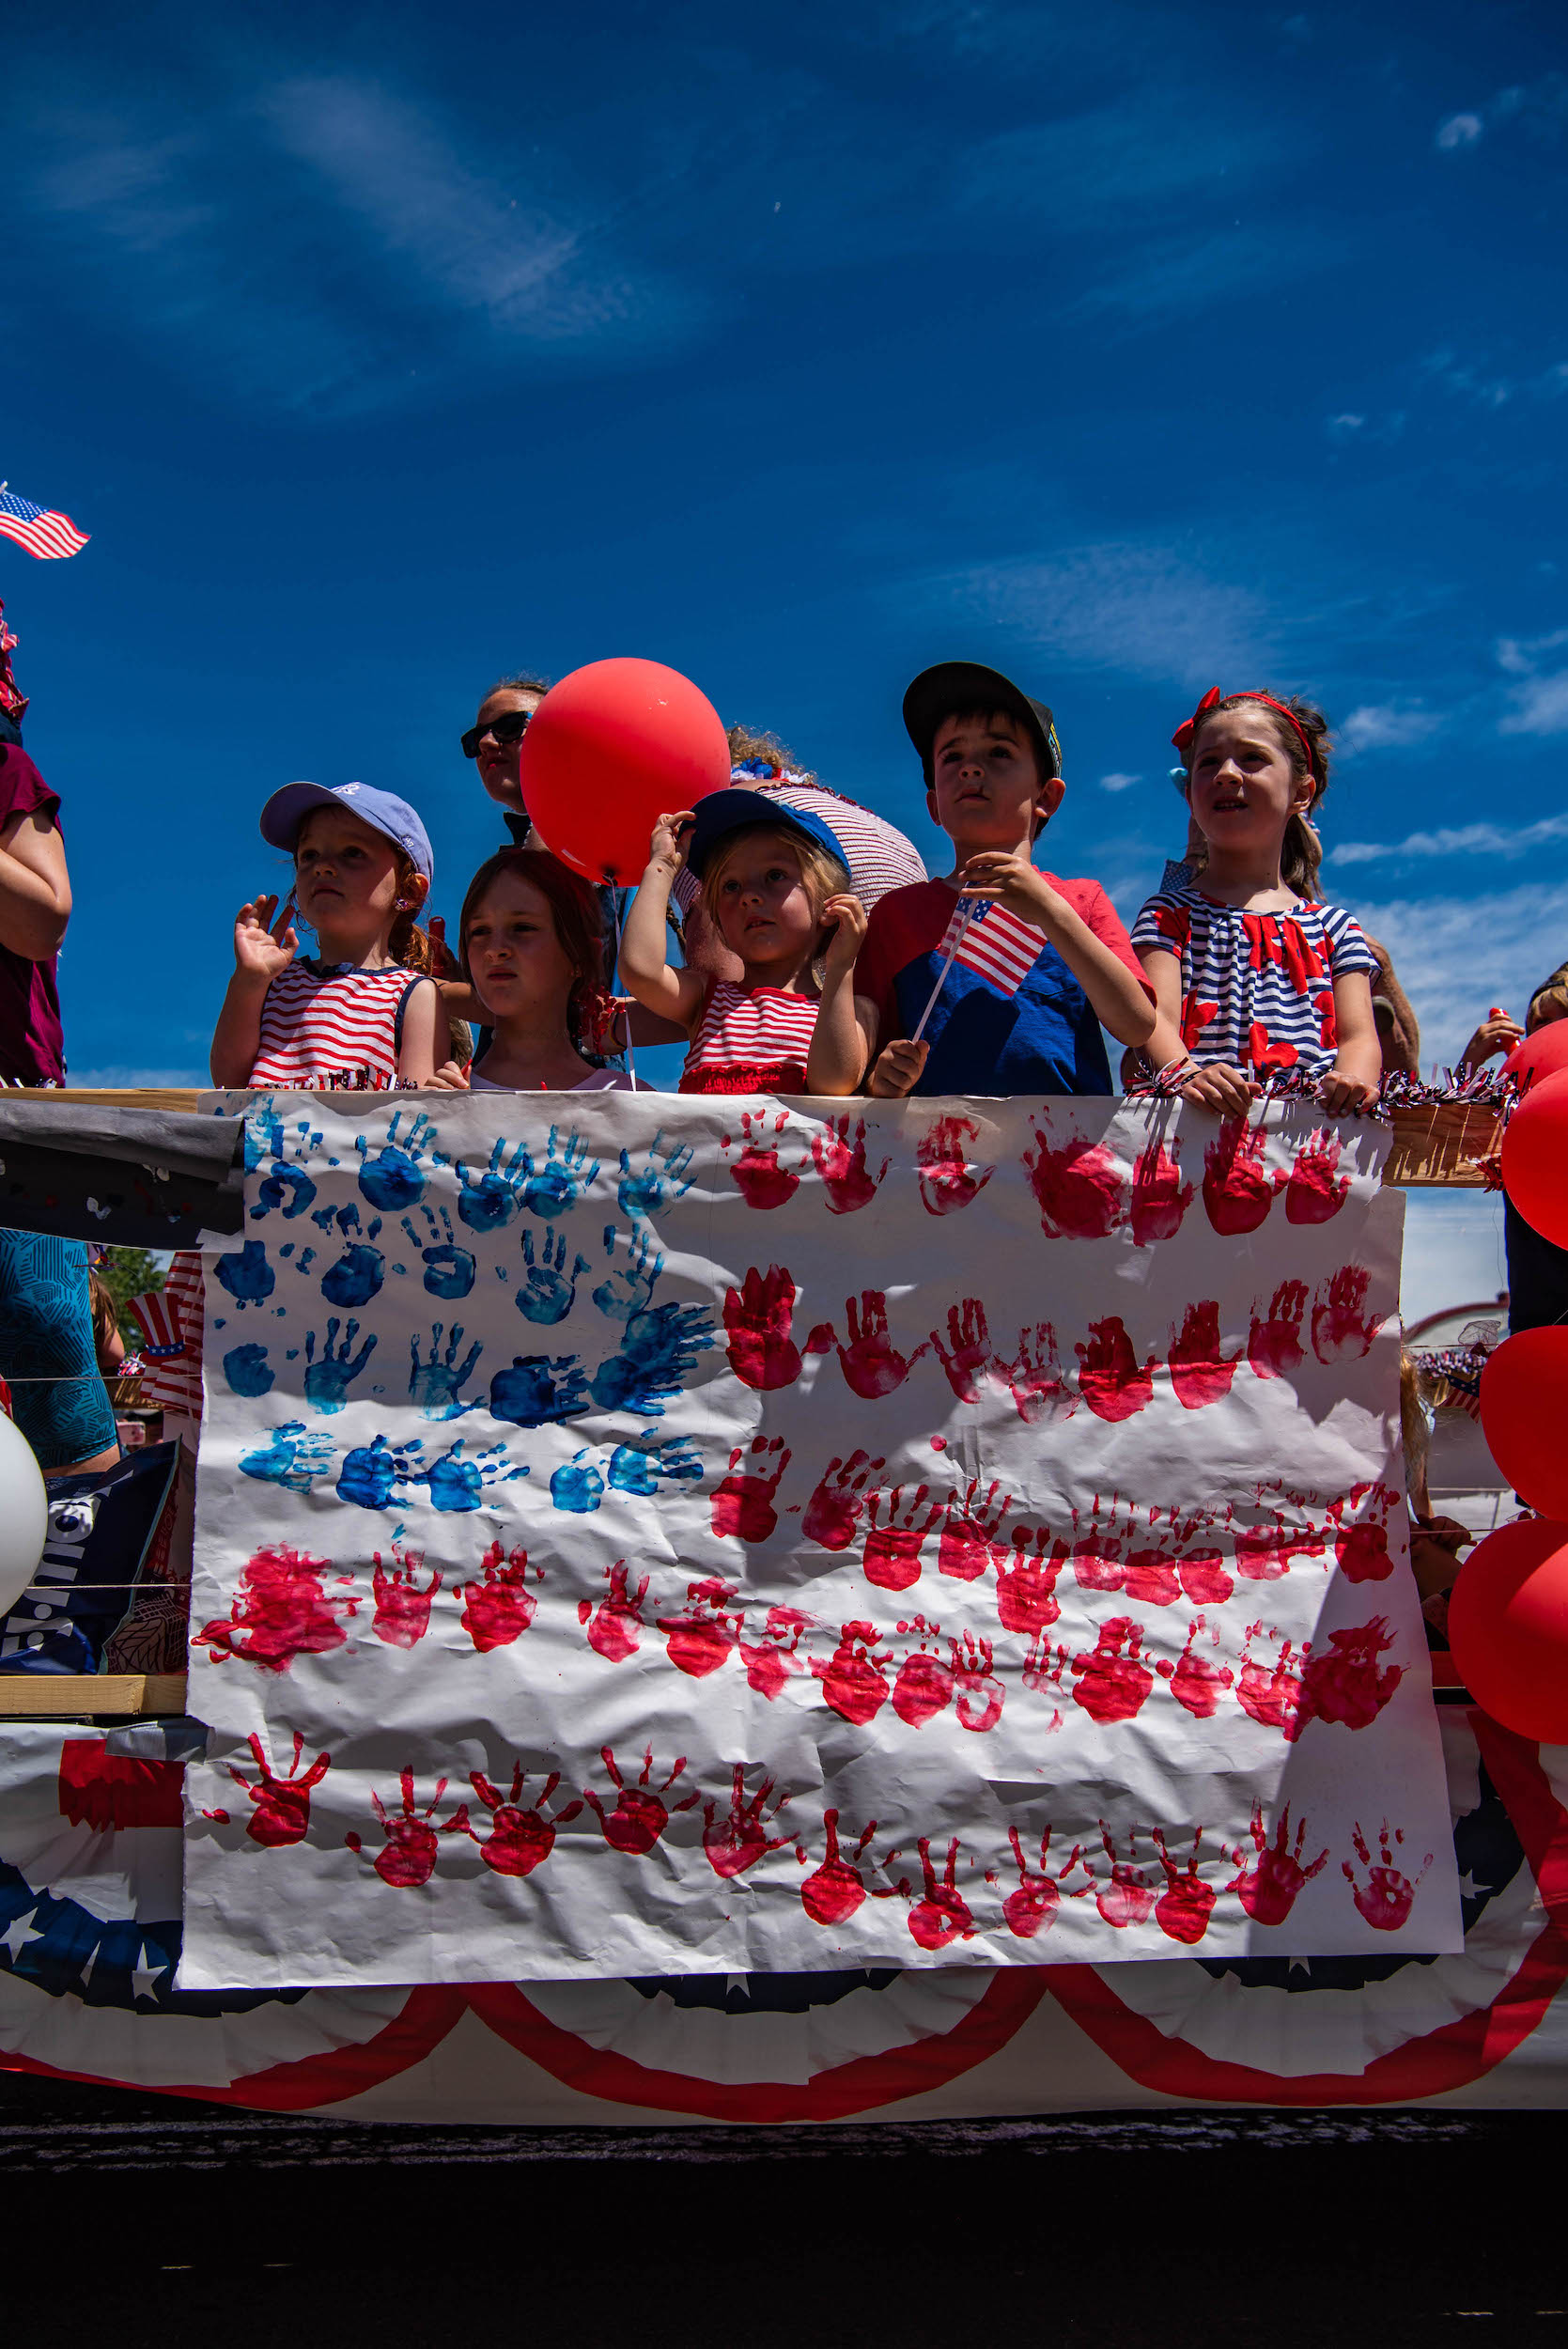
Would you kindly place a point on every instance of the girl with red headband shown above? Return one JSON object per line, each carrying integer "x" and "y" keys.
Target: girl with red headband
{"x": 1252, "y": 972}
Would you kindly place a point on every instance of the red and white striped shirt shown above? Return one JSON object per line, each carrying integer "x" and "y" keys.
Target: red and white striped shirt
{"x": 319, "y": 1025}
{"x": 178, "y": 1311}
{"x": 750, "y": 1041}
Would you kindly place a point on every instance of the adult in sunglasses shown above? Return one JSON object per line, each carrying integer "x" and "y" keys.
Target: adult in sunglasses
{"x": 494, "y": 742}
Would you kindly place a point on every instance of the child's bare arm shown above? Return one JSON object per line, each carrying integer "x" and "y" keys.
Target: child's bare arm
{"x": 259, "y": 955}
{"x": 1223, "y": 1088}
{"x": 425, "y": 1042}
{"x": 1117, "y": 1000}
{"x": 675, "y": 995}
{"x": 1352, "y": 1082}
{"x": 846, "y": 1022}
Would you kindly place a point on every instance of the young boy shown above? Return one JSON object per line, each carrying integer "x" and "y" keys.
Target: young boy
{"x": 993, "y": 781}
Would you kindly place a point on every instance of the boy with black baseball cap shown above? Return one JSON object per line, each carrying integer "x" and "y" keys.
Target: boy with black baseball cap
{"x": 993, "y": 781}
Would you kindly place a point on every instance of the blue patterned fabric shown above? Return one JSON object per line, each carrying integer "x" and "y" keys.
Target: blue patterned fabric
{"x": 60, "y": 1403}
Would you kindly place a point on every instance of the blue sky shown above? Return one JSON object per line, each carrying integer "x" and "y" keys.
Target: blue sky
{"x": 1134, "y": 349}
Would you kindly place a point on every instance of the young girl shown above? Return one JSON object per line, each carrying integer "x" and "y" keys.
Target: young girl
{"x": 1250, "y": 973}
{"x": 776, "y": 884}
{"x": 364, "y": 1009}
{"x": 530, "y": 938}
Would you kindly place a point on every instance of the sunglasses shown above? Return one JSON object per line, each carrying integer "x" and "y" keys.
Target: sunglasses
{"x": 510, "y": 726}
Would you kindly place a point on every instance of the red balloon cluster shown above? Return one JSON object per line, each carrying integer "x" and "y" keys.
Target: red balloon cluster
{"x": 1508, "y": 1613}
{"x": 609, "y": 750}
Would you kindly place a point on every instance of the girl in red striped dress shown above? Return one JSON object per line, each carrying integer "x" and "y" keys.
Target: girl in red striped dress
{"x": 776, "y": 882}
{"x": 363, "y": 1012}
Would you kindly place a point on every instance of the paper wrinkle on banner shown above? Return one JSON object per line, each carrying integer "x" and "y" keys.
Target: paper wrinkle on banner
{"x": 1075, "y": 1505}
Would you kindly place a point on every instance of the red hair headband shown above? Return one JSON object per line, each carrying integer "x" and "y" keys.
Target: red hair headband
{"x": 1182, "y": 740}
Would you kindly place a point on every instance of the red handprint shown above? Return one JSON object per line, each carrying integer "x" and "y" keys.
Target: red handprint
{"x": 499, "y": 1608}
{"x": 966, "y": 1355}
{"x": 759, "y": 1177}
{"x": 947, "y": 1182}
{"x": 1264, "y": 1552}
{"x": 1184, "y": 1906}
{"x": 614, "y": 1622}
{"x": 520, "y": 1841}
{"x": 1032, "y": 1909}
{"x": 1343, "y": 1683}
{"x": 1267, "y": 1885}
{"x": 1204, "y": 1579}
{"x": 1200, "y": 1373}
{"x": 1159, "y": 1197}
{"x": 1315, "y": 1191}
{"x": 852, "y": 1681}
{"x": 891, "y": 1554}
{"x": 1128, "y": 1899}
{"x": 943, "y": 1914}
{"x": 402, "y": 1606}
{"x": 1080, "y": 1189}
{"x": 1110, "y": 1379}
{"x": 979, "y": 1694}
{"x": 758, "y": 1317}
{"x": 703, "y": 1637}
{"x": 1026, "y": 1592}
{"x": 1272, "y": 1696}
{"x": 832, "y": 1893}
{"x": 1098, "y": 1560}
{"x": 1339, "y": 1325}
{"x": 1238, "y": 1190}
{"x": 411, "y": 1845}
{"x": 845, "y": 1177}
{"x": 741, "y": 1838}
{"x": 742, "y": 1507}
{"x": 282, "y": 1805}
{"x": 873, "y": 1365}
{"x": 1034, "y": 1378}
{"x": 832, "y": 1514}
{"x": 1151, "y": 1578}
{"x": 1196, "y": 1685}
{"x": 969, "y": 1542}
{"x": 925, "y": 1684}
{"x": 639, "y": 1818}
{"x": 1112, "y": 1686}
{"x": 770, "y": 1664}
{"x": 280, "y": 1611}
{"x": 1274, "y": 1347}
{"x": 1362, "y": 1548}
{"x": 1388, "y": 1895}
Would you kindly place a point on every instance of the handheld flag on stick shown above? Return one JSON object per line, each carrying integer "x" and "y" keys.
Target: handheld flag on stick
{"x": 46, "y": 534}
{"x": 986, "y": 939}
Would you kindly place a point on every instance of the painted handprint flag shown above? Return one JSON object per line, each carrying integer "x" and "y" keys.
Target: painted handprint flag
{"x": 645, "y": 1536}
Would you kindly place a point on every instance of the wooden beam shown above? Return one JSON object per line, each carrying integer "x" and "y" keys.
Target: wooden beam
{"x": 39, "y": 1696}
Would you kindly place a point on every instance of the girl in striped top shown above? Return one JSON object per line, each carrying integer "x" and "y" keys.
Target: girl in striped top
{"x": 1251, "y": 971}
{"x": 364, "y": 1012}
{"x": 775, "y": 881}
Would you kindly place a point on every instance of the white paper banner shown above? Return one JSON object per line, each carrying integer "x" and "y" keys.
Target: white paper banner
{"x": 677, "y": 1535}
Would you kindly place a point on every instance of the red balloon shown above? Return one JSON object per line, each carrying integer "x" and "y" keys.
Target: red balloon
{"x": 1523, "y": 1410}
{"x": 1535, "y": 1158}
{"x": 609, "y": 750}
{"x": 1543, "y": 1054}
{"x": 1507, "y": 1627}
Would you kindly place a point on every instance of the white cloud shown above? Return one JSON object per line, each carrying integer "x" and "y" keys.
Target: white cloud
{"x": 1144, "y": 610}
{"x": 1461, "y": 840}
{"x": 1455, "y": 956}
{"x": 1459, "y": 131}
{"x": 1119, "y": 783}
{"x": 1540, "y": 701}
{"x": 1388, "y": 726}
{"x": 1345, "y": 428}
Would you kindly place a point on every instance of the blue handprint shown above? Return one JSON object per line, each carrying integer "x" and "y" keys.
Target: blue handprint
{"x": 247, "y": 1275}
{"x": 327, "y": 1381}
{"x": 285, "y": 1183}
{"x": 433, "y": 1384}
{"x": 394, "y": 1179}
{"x": 371, "y": 1470}
{"x": 659, "y": 1347}
{"x": 457, "y": 1484}
{"x": 663, "y": 1177}
{"x": 290, "y": 1457}
{"x": 345, "y": 1219}
{"x": 489, "y": 1203}
{"x": 538, "y": 1389}
{"x": 356, "y": 1276}
{"x": 263, "y": 1135}
{"x": 636, "y": 1467}
{"x": 548, "y": 1294}
{"x": 448, "y": 1269}
{"x": 565, "y": 1174}
{"x": 248, "y": 1371}
{"x": 620, "y": 1294}
{"x": 576, "y": 1489}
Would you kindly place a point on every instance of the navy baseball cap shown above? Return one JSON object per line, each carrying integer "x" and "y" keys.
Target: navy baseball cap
{"x": 723, "y": 812}
{"x": 954, "y": 685}
{"x": 382, "y": 811}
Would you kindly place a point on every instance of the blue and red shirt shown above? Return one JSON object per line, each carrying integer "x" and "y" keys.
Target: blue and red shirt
{"x": 1257, "y": 988}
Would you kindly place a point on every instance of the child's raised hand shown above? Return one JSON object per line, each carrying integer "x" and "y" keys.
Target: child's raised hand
{"x": 898, "y": 1070}
{"x": 1226, "y": 1090}
{"x": 259, "y": 952}
{"x": 666, "y": 849}
{"x": 846, "y": 937}
{"x": 446, "y": 961}
{"x": 1008, "y": 875}
{"x": 1496, "y": 1034}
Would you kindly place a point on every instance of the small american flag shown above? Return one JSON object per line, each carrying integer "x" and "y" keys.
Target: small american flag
{"x": 992, "y": 942}
{"x": 42, "y": 534}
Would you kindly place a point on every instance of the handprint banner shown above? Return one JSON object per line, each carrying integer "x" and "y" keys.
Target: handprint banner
{"x": 646, "y": 1536}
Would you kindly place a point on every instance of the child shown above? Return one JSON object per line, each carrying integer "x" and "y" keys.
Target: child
{"x": 776, "y": 882}
{"x": 364, "y": 1010}
{"x": 1250, "y": 973}
{"x": 531, "y": 945}
{"x": 993, "y": 781}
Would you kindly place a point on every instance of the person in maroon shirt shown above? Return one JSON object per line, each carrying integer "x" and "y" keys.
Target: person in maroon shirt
{"x": 35, "y": 907}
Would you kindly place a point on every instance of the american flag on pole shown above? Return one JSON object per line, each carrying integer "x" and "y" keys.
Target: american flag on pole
{"x": 42, "y": 534}
{"x": 992, "y": 942}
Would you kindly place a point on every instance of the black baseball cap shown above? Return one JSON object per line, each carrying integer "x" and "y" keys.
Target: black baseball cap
{"x": 952, "y": 685}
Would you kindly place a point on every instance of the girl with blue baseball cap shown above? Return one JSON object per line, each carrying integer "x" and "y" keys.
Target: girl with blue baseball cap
{"x": 363, "y": 1011}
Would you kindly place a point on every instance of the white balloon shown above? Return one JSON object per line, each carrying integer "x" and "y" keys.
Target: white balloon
{"x": 24, "y": 1514}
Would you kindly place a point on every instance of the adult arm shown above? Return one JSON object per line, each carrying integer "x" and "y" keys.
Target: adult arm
{"x": 34, "y": 887}
{"x": 1400, "y": 1037}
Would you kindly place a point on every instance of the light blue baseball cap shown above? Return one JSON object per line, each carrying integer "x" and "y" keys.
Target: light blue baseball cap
{"x": 382, "y": 811}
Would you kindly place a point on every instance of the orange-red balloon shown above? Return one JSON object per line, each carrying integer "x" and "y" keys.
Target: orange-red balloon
{"x": 1507, "y": 1627}
{"x": 609, "y": 750}
{"x": 1535, "y": 1158}
{"x": 1524, "y": 1413}
{"x": 1538, "y": 1056}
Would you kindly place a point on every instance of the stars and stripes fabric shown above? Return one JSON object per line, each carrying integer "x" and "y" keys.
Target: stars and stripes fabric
{"x": 985, "y": 937}
{"x": 318, "y": 1025}
{"x": 753, "y": 1040}
{"x": 45, "y": 534}
{"x": 170, "y": 1321}
{"x": 1257, "y": 988}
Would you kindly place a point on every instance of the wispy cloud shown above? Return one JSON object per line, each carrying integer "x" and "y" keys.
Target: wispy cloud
{"x": 1119, "y": 783}
{"x": 1539, "y": 109}
{"x": 1386, "y": 727}
{"x": 1461, "y": 840}
{"x": 1177, "y": 273}
{"x": 1465, "y": 378}
{"x": 1459, "y": 131}
{"x": 1144, "y": 610}
{"x": 1540, "y": 699}
{"x": 1457, "y": 954}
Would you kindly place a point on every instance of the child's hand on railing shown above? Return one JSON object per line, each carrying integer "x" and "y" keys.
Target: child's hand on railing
{"x": 1222, "y": 1088}
{"x": 898, "y": 1070}
{"x": 449, "y": 1078}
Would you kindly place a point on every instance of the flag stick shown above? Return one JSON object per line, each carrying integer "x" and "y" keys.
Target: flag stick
{"x": 964, "y": 913}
